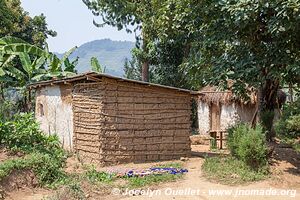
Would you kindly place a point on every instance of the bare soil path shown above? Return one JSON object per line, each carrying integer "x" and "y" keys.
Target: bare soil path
{"x": 285, "y": 179}
{"x": 284, "y": 182}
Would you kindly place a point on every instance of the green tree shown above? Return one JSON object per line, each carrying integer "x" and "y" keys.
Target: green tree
{"x": 132, "y": 69}
{"x": 255, "y": 43}
{"x": 159, "y": 57}
{"x": 14, "y": 21}
{"x": 125, "y": 14}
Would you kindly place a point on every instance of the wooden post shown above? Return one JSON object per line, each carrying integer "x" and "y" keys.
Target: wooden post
{"x": 221, "y": 139}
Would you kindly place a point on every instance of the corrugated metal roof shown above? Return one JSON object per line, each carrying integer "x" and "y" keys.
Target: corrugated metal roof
{"x": 93, "y": 76}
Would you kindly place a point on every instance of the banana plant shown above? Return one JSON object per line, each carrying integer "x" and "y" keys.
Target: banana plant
{"x": 32, "y": 60}
{"x": 45, "y": 65}
{"x": 15, "y": 46}
{"x": 35, "y": 64}
{"x": 62, "y": 67}
{"x": 96, "y": 66}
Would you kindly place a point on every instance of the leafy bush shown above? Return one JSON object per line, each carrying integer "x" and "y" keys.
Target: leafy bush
{"x": 288, "y": 125}
{"x": 234, "y": 136}
{"x": 23, "y": 134}
{"x": 248, "y": 145}
{"x": 45, "y": 155}
{"x": 94, "y": 176}
{"x": 293, "y": 125}
{"x": 7, "y": 109}
{"x": 47, "y": 169}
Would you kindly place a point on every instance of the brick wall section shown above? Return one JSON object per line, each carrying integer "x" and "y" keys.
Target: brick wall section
{"x": 118, "y": 122}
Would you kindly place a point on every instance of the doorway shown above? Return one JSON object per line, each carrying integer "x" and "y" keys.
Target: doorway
{"x": 215, "y": 121}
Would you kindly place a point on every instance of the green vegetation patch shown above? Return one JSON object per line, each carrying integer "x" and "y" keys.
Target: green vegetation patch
{"x": 45, "y": 157}
{"x": 47, "y": 169}
{"x": 229, "y": 170}
{"x": 43, "y": 154}
{"x": 297, "y": 147}
{"x": 95, "y": 177}
{"x": 248, "y": 145}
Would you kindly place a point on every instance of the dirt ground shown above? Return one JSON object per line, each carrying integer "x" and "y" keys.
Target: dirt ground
{"x": 283, "y": 183}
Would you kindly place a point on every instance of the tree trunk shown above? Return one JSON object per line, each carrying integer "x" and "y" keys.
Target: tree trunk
{"x": 29, "y": 103}
{"x": 267, "y": 105}
{"x": 24, "y": 104}
{"x": 291, "y": 93}
{"x": 2, "y": 97}
{"x": 145, "y": 65}
{"x": 145, "y": 71}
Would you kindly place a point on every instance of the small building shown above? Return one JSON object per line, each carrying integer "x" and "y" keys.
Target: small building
{"x": 111, "y": 120}
{"x": 218, "y": 110}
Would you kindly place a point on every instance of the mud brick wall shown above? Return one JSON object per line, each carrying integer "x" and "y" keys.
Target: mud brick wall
{"x": 118, "y": 122}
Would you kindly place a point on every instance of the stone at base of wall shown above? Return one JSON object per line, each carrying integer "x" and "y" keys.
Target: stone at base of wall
{"x": 200, "y": 139}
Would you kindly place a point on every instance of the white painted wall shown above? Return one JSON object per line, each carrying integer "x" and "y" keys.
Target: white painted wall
{"x": 228, "y": 116}
{"x": 58, "y": 114}
{"x": 203, "y": 118}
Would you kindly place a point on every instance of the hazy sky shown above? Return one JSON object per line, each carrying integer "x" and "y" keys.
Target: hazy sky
{"x": 73, "y": 22}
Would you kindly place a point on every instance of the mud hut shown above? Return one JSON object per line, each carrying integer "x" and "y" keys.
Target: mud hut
{"x": 218, "y": 110}
{"x": 111, "y": 120}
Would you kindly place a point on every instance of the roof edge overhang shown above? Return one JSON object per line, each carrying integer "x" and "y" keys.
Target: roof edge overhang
{"x": 93, "y": 76}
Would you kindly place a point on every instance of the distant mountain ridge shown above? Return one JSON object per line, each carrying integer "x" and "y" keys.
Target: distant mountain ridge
{"x": 111, "y": 54}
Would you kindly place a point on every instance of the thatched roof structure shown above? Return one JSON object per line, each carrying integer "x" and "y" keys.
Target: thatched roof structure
{"x": 211, "y": 94}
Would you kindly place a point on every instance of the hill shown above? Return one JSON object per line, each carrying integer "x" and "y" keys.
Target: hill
{"x": 110, "y": 54}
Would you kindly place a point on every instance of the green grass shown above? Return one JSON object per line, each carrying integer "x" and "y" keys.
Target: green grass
{"x": 228, "y": 170}
{"x": 296, "y": 147}
{"x": 95, "y": 177}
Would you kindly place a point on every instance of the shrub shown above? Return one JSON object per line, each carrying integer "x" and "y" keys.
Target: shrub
{"x": 47, "y": 169}
{"x": 45, "y": 155}
{"x": 7, "y": 110}
{"x": 288, "y": 125}
{"x": 94, "y": 176}
{"x": 248, "y": 145}
{"x": 293, "y": 125}
{"x": 23, "y": 134}
{"x": 234, "y": 136}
